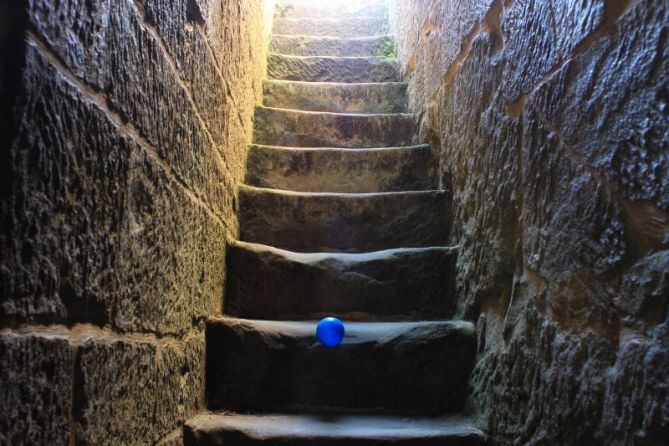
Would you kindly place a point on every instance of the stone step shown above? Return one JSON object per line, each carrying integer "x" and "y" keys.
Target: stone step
{"x": 385, "y": 367}
{"x": 331, "y": 27}
{"x": 395, "y": 284}
{"x": 332, "y": 46}
{"x": 295, "y": 128}
{"x": 386, "y": 97}
{"x": 332, "y": 9}
{"x": 331, "y": 430}
{"x": 329, "y": 222}
{"x": 332, "y": 69}
{"x": 342, "y": 170}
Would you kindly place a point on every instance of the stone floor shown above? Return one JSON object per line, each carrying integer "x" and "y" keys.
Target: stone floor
{"x": 340, "y": 215}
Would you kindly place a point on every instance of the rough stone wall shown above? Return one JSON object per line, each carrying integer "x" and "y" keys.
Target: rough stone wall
{"x": 551, "y": 121}
{"x": 124, "y": 133}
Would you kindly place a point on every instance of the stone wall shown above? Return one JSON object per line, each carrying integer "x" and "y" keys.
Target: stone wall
{"x": 124, "y": 133}
{"x": 551, "y": 122}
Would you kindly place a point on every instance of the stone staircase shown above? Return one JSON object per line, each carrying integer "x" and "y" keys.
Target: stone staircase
{"x": 339, "y": 216}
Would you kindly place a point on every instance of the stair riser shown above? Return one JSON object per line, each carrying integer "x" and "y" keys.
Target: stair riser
{"x": 338, "y": 9}
{"x": 332, "y": 69}
{"x": 353, "y": 223}
{"x": 324, "y": 170}
{"x": 241, "y": 439}
{"x": 421, "y": 370}
{"x": 323, "y": 46}
{"x": 347, "y": 27}
{"x": 337, "y": 98}
{"x": 397, "y": 285}
{"x": 290, "y": 128}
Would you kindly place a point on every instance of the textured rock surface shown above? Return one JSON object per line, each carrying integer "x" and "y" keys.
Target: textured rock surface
{"x": 37, "y": 384}
{"x": 332, "y": 69}
{"x": 269, "y": 365}
{"x": 336, "y": 430}
{"x": 387, "y": 97}
{"x": 315, "y": 222}
{"x": 135, "y": 392}
{"x": 124, "y": 132}
{"x": 296, "y": 128}
{"x": 551, "y": 118}
{"x": 330, "y": 46}
{"x": 342, "y": 170}
{"x": 397, "y": 284}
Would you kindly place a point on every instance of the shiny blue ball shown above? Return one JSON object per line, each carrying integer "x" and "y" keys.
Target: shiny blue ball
{"x": 330, "y": 331}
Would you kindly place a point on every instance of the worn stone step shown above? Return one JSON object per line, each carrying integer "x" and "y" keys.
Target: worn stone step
{"x": 396, "y": 284}
{"x": 332, "y": 69}
{"x": 385, "y": 97}
{"x": 332, "y": 46}
{"x": 385, "y": 367}
{"x": 331, "y": 27}
{"x": 296, "y": 128}
{"x": 329, "y": 222}
{"x": 332, "y": 9}
{"x": 342, "y": 170}
{"x": 331, "y": 430}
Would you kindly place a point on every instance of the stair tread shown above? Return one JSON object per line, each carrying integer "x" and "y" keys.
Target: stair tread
{"x": 332, "y": 27}
{"x": 342, "y": 170}
{"x": 336, "y": 97}
{"x": 326, "y": 221}
{"x": 341, "y": 149}
{"x": 339, "y": 427}
{"x": 315, "y": 257}
{"x": 336, "y": 114}
{"x": 349, "y": 69}
{"x": 347, "y": 85}
{"x": 299, "y": 45}
{"x": 297, "y": 128}
{"x": 338, "y": 9}
{"x": 344, "y": 195}
{"x": 356, "y": 332}
{"x": 269, "y": 365}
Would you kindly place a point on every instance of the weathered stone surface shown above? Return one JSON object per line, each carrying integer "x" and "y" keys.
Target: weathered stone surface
{"x": 315, "y": 222}
{"x": 387, "y": 97}
{"x": 614, "y": 112}
{"x": 135, "y": 392}
{"x": 129, "y": 123}
{"x": 549, "y": 33}
{"x": 332, "y": 69}
{"x": 37, "y": 374}
{"x": 644, "y": 300}
{"x": 342, "y": 170}
{"x": 211, "y": 429}
{"x": 125, "y": 219}
{"x": 293, "y": 128}
{"x": 329, "y": 27}
{"x": 267, "y": 365}
{"x": 331, "y": 46}
{"x": 431, "y": 36}
{"x": 117, "y": 55}
{"x": 340, "y": 9}
{"x": 551, "y": 122}
{"x": 59, "y": 244}
{"x": 170, "y": 278}
{"x": 397, "y": 284}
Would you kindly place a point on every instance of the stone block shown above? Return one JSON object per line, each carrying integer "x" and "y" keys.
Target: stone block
{"x": 37, "y": 376}
{"x": 137, "y": 391}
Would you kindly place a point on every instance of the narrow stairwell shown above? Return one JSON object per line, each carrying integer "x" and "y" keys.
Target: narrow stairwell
{"x": 339, "y": 216}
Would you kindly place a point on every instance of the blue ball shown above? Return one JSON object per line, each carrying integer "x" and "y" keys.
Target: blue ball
{"x": 330, "y": 331}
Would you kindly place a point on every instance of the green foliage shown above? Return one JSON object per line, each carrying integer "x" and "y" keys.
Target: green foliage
{"x": 387, "y": 49}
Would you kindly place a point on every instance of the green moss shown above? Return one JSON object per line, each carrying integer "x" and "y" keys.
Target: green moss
{"x": 387, "y": 49}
